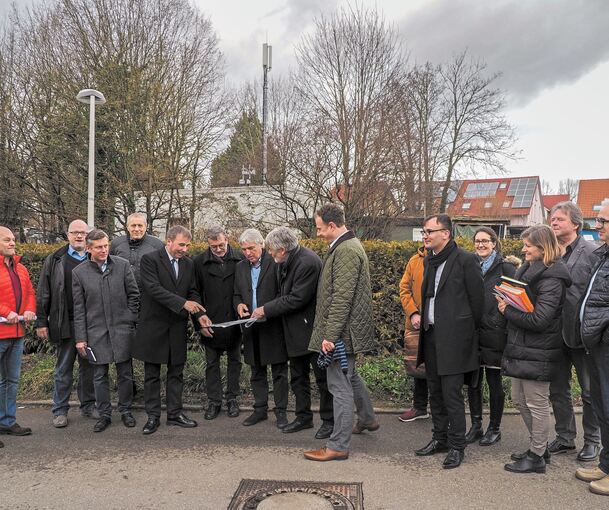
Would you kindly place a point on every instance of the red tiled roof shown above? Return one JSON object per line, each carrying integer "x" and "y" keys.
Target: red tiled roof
{"x": 591, "y": 192}
{"x": 550, "y": 201}
{"x": 499, "y": 205}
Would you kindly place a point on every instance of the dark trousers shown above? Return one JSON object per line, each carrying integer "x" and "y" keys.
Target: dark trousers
{"x": 124, "y": 379}
{"x": 63, "y": 378}
{"x": 173, "y": 389}
{"x": 496, "y": 397}
{"x": 420, "y": 394}
{"x": 260, "y": 387}
{"x": 562, "y": 403}
{"x": 598, "y": 363}
{"x": 213, "y": 377}
{"x": 300, "y": 382}
{"x": 445, "y": 398}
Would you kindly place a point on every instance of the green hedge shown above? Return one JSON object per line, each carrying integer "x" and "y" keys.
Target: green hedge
{"x": 387, "y": 262}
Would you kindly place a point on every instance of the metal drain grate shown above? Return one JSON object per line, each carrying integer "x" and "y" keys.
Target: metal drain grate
{"x": 297, "y": 495}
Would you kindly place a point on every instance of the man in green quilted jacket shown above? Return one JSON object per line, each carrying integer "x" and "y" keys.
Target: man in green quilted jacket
{"x": 343, "y": 314}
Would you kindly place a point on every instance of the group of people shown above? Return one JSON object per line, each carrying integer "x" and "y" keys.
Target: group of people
{"x": 459, "y": 331}
{"x": 105, "y": 304}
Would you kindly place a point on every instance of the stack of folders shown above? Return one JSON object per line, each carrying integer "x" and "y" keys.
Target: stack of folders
{"x": 515, "y": 293}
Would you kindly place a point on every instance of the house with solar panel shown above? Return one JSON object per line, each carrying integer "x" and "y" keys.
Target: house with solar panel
{"x": 508, "y": 204}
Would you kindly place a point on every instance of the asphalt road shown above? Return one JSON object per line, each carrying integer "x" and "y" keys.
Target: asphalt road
{"x": 201, "y": 468}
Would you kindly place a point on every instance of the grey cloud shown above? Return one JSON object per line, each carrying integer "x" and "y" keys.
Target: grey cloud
{"x": 534, "y": 44}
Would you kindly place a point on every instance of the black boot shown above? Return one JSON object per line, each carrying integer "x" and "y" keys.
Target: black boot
{"x": 517, "y": 456}
{"x": 475, "y": 432}
{"x": 531, "y": 463}
{"x": 491, "y": 436}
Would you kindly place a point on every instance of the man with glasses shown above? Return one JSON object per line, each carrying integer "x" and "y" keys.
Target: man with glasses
{"x": 452, "y": 308}
{"x": 215, "y": 278}
{"x": 594, "y": 328}
{"x": 55, "y": 322}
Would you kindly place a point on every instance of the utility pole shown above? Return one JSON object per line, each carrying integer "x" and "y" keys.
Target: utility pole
{"x": 267, "y": 61}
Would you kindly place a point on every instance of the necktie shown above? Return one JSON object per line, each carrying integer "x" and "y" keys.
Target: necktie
{"x": 174, "y": 264}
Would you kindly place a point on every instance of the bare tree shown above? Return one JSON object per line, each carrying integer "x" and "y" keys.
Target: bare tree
{"x": 568, "y": 187}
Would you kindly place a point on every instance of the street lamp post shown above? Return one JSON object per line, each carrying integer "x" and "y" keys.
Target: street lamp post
{"x": 92, "y": 97}
{"x": 267, "y": 63}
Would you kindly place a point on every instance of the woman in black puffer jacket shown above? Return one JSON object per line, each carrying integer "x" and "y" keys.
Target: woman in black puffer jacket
{"x": 492, "y": 337}
{"x": 534, "y": 346}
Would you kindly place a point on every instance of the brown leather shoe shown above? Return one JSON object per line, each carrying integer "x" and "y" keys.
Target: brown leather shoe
{"x": 358, "y": 428}
{"x": 324, "y": 454}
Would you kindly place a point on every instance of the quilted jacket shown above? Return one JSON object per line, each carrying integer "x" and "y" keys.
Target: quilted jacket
{"x": 7, "y": 298}
{"x": 344, "y": 299}
{"x": 595, "y": 326}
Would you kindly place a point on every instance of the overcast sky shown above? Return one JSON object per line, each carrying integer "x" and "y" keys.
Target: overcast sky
{"x": 553, "y": 56}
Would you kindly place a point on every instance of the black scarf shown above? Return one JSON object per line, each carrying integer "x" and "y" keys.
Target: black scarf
{"x": 432, "y": 263}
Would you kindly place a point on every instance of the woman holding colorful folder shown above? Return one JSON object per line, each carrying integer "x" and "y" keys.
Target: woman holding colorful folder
{"x": 533, "y": 349}
{"x": 492, "y": 339}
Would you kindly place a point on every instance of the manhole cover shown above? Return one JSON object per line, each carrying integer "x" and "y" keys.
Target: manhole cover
{"x": 296, "y": 495}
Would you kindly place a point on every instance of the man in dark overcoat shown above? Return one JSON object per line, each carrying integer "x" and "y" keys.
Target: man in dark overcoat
{"x": 453, "y": 305}
{"x": 298, "y": 270}
{"x": 263, "y": 342}
{"x": 215, "y": 278}
{"x": 169, "y": 298}
{"x": 106, "y": 301}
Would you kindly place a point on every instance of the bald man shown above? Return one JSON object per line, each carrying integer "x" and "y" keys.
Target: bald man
{"x": 55, "y": 323}
{"x": 17, "y": 306}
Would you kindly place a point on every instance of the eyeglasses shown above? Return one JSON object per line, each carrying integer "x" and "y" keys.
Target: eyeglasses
{"x": 601, "y": 221}
{"x": 78, "y": 233}
{"x": 218, "y": 247}
{"x": 430, "y": 231}
{"x": 483, "y": 241}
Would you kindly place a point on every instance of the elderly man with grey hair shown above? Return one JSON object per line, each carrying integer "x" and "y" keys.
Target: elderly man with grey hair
{"x": 298, "y": 270}
{"x": 578, "y": 254}
{"x": 264, "y": 345}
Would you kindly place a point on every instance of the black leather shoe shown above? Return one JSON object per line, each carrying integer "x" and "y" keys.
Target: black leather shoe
{"x": 589, "y": 452}
{"x": 518, "y": 456}
{"x": 102, "y": 424}
{"x": 1, "y": 444}
{"x": 282, "y": 419}
{"x": 453, "y": 459}
{"x": 557, "y": 447}
{"x": 254, "y": 418}
{"x": 212, "y": 411}
{"x": 325, "y": 431}
{"x": 128, "y": 420}
{"x": 474, "y": 433}
{"x": 181, "y": 420}
{"x": 431, "y": 448}
{"x": 232, "y": 408}
{"x": 152, "y": 425}
{"x": 491, "y": 436}
{"x": 531, "y": 463}
{"x": 297, "y": 425}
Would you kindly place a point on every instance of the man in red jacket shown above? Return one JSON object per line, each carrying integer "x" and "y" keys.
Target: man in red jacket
{"x": 17, "y": 300}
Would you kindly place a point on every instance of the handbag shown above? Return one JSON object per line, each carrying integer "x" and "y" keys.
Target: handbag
{"x": 411, "y": 348}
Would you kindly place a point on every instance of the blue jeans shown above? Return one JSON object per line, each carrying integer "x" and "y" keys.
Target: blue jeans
{"x": 598, "y": 363}
{"x": 66, "y": 356}
{"x": 10, "y": 369}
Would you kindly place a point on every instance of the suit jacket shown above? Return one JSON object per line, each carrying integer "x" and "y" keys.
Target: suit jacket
{"x": 162, "y": 330}
{"x": 263, "y": 342}
{"x": 459, "y": 305}
{"x": 580, "y": 265}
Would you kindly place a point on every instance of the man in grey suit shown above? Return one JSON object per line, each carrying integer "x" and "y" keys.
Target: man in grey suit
{"x": 567, "y": 221}
{"x": 106, "y": 302}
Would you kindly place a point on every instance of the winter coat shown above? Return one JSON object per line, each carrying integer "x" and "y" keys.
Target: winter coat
{"x": 492, "y": 335}
{"x": 7, "y": 298}
{"x": 580, "y": 264}
{"x": 595, "y": 325}
{"x": 263, "y": 341}
{"x": 458, "y": 305}
{"x": 534, "y": 346}
{"x": 51, "y": 298}
{"x": 105, "y": 308}
{"x": 133, "y": 251}
{"x": 410, "y": 286}
{"x": 297, "y": 278}
{"x": 344, "y": 298}
{"x": 162, "y": 329}
{"x": 215, "y": 280}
